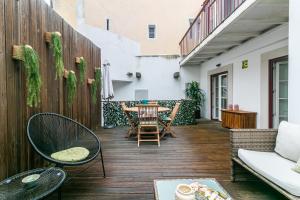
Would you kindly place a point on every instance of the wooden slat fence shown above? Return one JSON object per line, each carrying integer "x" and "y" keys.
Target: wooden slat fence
{"x": 25, "y": 22}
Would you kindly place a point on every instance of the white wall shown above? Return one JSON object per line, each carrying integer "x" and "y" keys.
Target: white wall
{"x": 157, "y": 77}
{"x": 249, "y": 84}
{"x": 119, "y": 51}
{"x": 294, "y": 61}
{"x": 157, "y": 71}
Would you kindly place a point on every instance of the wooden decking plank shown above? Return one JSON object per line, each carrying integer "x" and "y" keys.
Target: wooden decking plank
{"x": 201, "y": 151}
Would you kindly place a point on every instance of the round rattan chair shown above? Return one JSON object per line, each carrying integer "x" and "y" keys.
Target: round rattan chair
{"x": 50, "y": 132}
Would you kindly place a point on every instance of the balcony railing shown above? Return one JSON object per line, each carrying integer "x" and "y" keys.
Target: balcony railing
{"x": 212, "y": 14}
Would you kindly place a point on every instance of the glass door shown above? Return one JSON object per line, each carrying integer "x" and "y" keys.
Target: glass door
{"x": 219, "y": 84}
{"x": 223, "y": 93}
{"x": 280, "y": 93}
{"x": 215, "y": 97}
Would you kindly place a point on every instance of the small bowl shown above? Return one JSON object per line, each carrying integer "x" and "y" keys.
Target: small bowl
{"x": 31, "y": 180}
{"x": 184, "y": 192}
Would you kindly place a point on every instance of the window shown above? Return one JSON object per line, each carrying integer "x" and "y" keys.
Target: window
{"x": 140, "y": 94}
{"x": 107, "y": 24}
{"x": 151, "y": 29}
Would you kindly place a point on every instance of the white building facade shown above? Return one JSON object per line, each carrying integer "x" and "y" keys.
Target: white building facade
{"x": 250, "y": 59}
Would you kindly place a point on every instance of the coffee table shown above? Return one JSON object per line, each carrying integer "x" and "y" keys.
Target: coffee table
{"x": 165, "y": 189}
{"x": 50, "y": 179}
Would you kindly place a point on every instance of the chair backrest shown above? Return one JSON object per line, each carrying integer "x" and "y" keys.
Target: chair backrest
{"x": 153, "y": 103}
{"x": 124, "y": 107}
{"x": 174, "y": 111}
{"x": 50, "y": 132}
{"x": 147, "y": 112}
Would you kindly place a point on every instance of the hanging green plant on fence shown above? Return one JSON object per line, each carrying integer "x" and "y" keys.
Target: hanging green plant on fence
{"x": 98, "y": 76}
{"x": 94, "y": 88}
{"x": 82, "y": 66}
{"x": 71, "y": 87}
{"x": 95, "y": 85}
{"x": 56, "y": 45}
{"x": 33, "y": 77}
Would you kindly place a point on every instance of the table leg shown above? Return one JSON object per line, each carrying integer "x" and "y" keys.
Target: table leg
{"x": 59, "y": 193}
{"x": 172, "y": 133}
{"x": 162, "y": 133}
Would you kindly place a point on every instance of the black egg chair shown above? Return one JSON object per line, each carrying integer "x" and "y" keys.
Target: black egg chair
{"x": 50, "y": 132}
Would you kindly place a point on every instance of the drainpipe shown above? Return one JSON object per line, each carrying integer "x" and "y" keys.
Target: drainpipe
{"x": 80, "y": 12}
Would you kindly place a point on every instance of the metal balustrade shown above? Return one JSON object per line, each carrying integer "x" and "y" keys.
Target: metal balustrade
{"x": 212, "y": 14}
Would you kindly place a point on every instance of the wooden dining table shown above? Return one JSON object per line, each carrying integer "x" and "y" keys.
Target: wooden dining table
{"x": 136, "y": 109}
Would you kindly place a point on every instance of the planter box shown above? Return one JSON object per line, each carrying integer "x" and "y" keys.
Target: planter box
{"x": 197, "y": 114}
{"x": 48, "y": 36}
{"x": 90, "y": 81}
{"x": 97, "y": 68}
{"x": 77, "y": 59}
{"x": 66, "y": 73}
{"x": 17, "y": 52}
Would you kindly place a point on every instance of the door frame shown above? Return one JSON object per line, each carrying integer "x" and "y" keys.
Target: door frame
{"x": 219, "y": 70}
{"x": 271, "y": 63}
{"x": 211, "y": 94}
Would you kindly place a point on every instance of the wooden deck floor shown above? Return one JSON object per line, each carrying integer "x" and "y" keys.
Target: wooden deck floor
{"x": 198, "y": 151}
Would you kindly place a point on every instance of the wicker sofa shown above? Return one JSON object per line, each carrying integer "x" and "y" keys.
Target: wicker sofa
{"x": 261, "y": 140}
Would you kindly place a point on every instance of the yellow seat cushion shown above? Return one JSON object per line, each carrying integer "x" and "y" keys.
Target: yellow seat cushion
{"x": 72, "y": 154}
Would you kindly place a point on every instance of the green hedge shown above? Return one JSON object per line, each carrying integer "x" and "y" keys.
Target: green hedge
{"x": 113, "y": 114}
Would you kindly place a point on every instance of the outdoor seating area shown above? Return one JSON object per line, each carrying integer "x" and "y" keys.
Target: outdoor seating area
{"x": 146, "y": 116}
{"x": 142, "y": 100}
{"x": 270, "y": 155}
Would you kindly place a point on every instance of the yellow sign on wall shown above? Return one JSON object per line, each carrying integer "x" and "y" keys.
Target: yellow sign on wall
{"x": 244, "y": 64}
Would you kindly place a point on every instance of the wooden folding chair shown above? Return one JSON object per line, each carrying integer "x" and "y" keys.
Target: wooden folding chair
{"x": 167, "y": 122}
{"x": 133, "y": 124}
{"x": 148, "y": 124}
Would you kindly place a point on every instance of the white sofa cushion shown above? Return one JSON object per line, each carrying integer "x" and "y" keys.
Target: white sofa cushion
{"x": 273, "y": 167}
{"x": 288, "y": 141}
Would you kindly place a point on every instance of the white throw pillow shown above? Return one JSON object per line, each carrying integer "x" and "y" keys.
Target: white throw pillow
{"x": 297, "y": 167}
{"x": 288, "y": 141}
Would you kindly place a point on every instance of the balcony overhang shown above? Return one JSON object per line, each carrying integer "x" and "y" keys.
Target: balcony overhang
{"x": 248, "y": 21}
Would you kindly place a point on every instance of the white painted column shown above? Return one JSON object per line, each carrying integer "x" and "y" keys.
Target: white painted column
{"x": 294, "y": 61}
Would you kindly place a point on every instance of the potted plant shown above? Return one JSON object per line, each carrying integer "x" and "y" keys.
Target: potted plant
{"x": 71, "y": 87}
{"x": 196, "y": 94}
{"x": 82, "y": 67}
{"x": 30, "y": 58}
{"x": 54, "y": 39}
{"x": 94, "y": 91}
{"x": 96, "y": 84}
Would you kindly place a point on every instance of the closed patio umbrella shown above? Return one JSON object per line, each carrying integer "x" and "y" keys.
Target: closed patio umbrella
{"x": 107, "y": 88}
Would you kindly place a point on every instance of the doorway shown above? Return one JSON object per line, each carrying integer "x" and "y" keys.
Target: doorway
{"x": 219, "y": 94}
{"x": 278, "y": 93}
